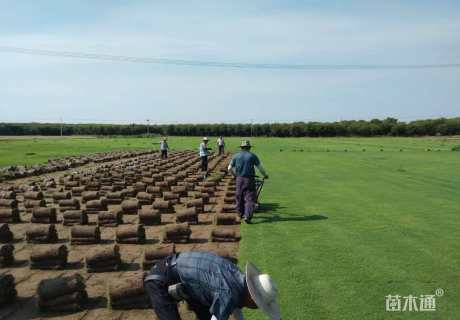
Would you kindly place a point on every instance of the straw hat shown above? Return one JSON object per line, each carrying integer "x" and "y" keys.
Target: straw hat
{"x": 245, "y": 144}
{"x": 263, "y": 291}
{"x": 205, "y": 139}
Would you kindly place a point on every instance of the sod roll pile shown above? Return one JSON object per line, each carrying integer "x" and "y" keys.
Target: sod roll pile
{"x": 189, "y": 215}
{"x": 103, "y": 259}
{"x": 149, "y": 216}
{"x": 155, "y": 254}
{"x": 43, "y": 215}
{"x": 130, "y": 206}
{"x": 85, "y": 235}
{"x": 127, "y": 292}
{"x": 224, "y": 235}
{"x": 51, "y": 257}
{"x": 109, "y": 218}
{"x": 74, "y": 217}
{"x": 6, "y": 255}
{"x": 8, "y": 291}
{"x": 133, "y": 234}
{"x": 9, "y": 215}
{"x": 41, "y": 234}
{"x": 177, "y": 233}
{"x": 6, "y": 235}
{"x": 62, "y": 294}
{"x": 225, "y": 219}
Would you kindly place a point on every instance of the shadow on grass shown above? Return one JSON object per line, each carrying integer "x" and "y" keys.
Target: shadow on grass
{"x": 262, "y": 216}
{"x": 286, "y": 218}
{"x": 268, "y": 207}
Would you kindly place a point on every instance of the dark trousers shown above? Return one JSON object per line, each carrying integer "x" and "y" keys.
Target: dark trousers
{"x": 221, "y": 150}
{"x": 204, "y": 163}
{"x": 164, "y": 154}
{"x": 245, "y": 196}
{"x": 164, "y": 306}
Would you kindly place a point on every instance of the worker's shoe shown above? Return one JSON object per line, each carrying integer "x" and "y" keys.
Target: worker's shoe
{"x": 247, "y": 220}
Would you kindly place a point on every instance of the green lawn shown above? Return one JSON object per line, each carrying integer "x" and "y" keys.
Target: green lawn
{"x": 340, "y": 230}
{"x": 345, "y": 229}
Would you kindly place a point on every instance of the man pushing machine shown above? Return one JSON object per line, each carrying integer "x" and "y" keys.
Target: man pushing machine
{"x": 213, "y": 287}
{"x": 242, "y": 166}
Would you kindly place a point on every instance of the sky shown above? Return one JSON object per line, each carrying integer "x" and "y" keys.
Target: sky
{"x": 48, "y": 89}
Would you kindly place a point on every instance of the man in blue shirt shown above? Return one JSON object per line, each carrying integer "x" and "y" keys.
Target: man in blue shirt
{"x": 242, "y": 166}
{"x": 213, "y": 287}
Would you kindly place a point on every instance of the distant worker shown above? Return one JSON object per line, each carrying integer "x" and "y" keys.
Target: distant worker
{"x": 164, "y": 148}
{"x": 242, "y": 166}
{"x": 213, "y": 287}
{"x": 204, "y": 152}
{"x": 221, "y": 145}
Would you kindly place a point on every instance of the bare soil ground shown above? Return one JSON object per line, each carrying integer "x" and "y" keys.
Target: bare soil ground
{"x": 27, "y": 280}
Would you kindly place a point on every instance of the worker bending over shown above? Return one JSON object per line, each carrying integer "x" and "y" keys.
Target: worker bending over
{"x": 213, "y": 287}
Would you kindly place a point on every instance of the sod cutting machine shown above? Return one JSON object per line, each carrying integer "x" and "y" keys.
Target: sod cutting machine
{"x": 259, "y": 185}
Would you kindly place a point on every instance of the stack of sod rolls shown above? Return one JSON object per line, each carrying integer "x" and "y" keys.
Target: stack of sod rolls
{"x": 8, "y": 291}
{"x": 103, "y": 259}
{"x": 153, "y": 255}
{"x": 63, "y": 294}
{"x": 109, "y": 218}
{"x": 224, "y": 235}
{"x": 130, "y": 206}
{"x": 85, "y": 235}
{"x": 149, "y": 216}
{"x": 225, "y": 219}
{"x": 42, "y": 234}
{"x": 133, "y": 234}
{"x": 74, "y": 217}
{"x": 127, "y": 292}
{"x": 6, "y": 235}
{"x": 164, "y": 206}
{"x": 177, "y": 233}
{"x": 43, "y": 215}
{"x": 189, "y": 215}
{"x": 6, "y": 255}
{"x": 51, "y": 257}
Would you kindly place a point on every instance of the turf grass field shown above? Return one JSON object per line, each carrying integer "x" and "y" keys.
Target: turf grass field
{"x": 343, "y": 222}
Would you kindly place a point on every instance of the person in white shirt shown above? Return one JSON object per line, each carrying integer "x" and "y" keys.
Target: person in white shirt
{"x": 164, "y": 148}
{"x": 221, "y": 145}
{"x": 204, "y": 152}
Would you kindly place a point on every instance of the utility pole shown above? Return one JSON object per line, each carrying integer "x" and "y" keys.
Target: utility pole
{"x": 252, "y": 126}
{"x": 148, "y": 127}
{"x": 62, "y": 124}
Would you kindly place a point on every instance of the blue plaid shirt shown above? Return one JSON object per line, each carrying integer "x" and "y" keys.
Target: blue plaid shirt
{"x": 212, "y": 281}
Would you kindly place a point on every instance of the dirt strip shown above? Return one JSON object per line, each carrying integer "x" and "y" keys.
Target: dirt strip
{"x": 97, "y": 308}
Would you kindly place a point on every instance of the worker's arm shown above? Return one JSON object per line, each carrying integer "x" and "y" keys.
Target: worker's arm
{"x": 262, "y": 170}
{"x": 230, "y": 167}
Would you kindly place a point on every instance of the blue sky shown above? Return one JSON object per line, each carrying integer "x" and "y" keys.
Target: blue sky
{"x": 38, "y": 88}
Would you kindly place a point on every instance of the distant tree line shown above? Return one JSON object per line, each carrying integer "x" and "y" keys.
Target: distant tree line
{"x": 375, "y": 127}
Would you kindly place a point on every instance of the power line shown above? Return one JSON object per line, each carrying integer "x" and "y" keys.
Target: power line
{"x": 216, "y": 64}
